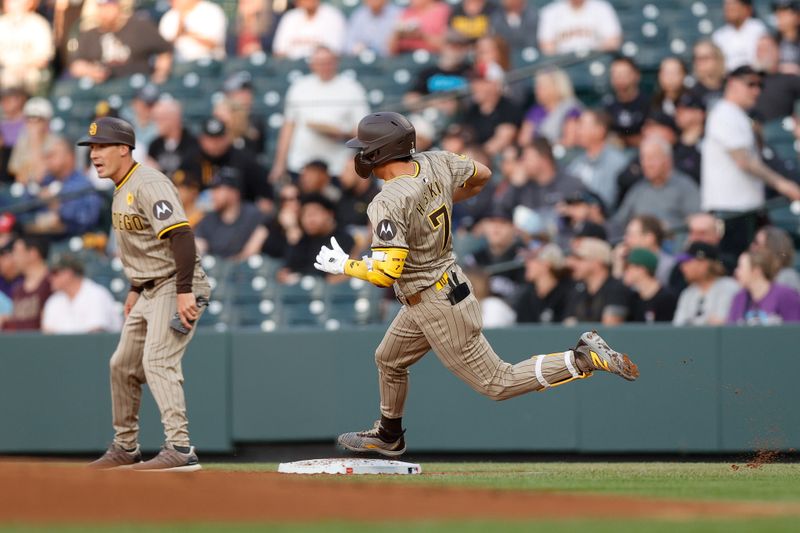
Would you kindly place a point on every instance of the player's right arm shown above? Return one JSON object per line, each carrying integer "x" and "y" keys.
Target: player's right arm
{"x": 474, "y": 183}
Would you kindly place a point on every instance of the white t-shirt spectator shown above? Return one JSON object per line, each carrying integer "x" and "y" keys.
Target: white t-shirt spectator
{"x": 739, "y": 46}
{"x": 298, "y": 34}
{"x": 207, "y": 19}
{"x": 92, "y": 309}
{"x": 26, "y": 45}
{"x": 723, "y": 185}
{"x": 572, "y": 30}
{"x": 340, "y": 102}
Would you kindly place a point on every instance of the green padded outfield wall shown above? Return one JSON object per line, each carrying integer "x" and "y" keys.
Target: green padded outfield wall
{"x": 701, "y": 390}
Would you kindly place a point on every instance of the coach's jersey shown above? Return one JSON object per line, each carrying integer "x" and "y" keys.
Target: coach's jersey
{"x": 145, "y": 207}
{"x": 414, "y": 212}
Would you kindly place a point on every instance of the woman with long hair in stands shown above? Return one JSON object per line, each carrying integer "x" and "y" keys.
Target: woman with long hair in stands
{"x": 556, "y": 109}
{"x": 669, "y": 85}
{"x": 762, "y": 301}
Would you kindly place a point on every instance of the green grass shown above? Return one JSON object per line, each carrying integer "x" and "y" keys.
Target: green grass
{"x": 691, "y": 481}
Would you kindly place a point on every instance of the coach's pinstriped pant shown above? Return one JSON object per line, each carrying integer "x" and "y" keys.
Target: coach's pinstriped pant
{"x": 149, "y": 351}
{"x": 454, "y": 334}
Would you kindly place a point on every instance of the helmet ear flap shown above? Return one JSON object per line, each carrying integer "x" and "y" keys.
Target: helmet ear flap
{"x": 363, "y": 168}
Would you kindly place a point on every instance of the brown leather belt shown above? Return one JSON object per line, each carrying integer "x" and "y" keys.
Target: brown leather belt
{"x": 414, "y": 299}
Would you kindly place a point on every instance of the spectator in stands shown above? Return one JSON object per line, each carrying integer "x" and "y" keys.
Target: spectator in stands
{"x": 502, "y": 246}
{"x": 761, "y": 301}
{"x": 733, "y": 174}
{"x": 318, "y": 223}
{"x": 226, "y": 230}
{"x": 10, "y": 274}
{"x": 665, "y": 193}
{"x": 283, "y": 230}
{"x": 597, "y": 296}
{"x": 494, "y": 49}
{"x": 669, "y": 85}
{"x": 370, "y": 27}
{"x": 175, "y": 147}
{"x": 322, "y": 109}
{"x": 780, "y": 90}
{"x": 543, "y": 298}
{"x": 599, "y": 162}
{"x": 567, "y": 26}
{"x": 78, "y": 304}
{"x": 647, "y": 232}
{"x": 707, "y": 300}
{"x": 29, "y": 296}
{"x": 583, "y": 215}
{"x": 253, "y": 30}
{"x": 492, "y": 115}
{"x": 495, "y": 312}
{"x": 246, "y": 126}
{"x": 140, "y": 115}
{"x": 654, "y": 303}
{"x": 310, "y": 25}
{"x": 421, "y": 26}
{"x": 357, "y": 193}
{"x": 472, "y": 18}
{"x": 708, "y": 72}
{"x": 196, "y": 29}
{"x": 27, "y": 157}
{"x": 217, "y": 151}
{"x": 26, "y": 46}
{"x": 787, "y": 23}
{"x": 73, "y": 208}
{"x": 705, "y": 227}
{"x": 779, "y": 243}
{"x": 627, "y": 105}
{"x": 538, "y": 183}
{"x": 556, "y": 112}
{"x": 121, "y": 46}
{"x": 315, "y": 178}
{"x": 738, "y": 37}
{"x": 189, "y": 186}
{"x": 690, "y": 118}
{"x": 12, "y": 121}
{"x": 515, "y": 21}
{"x": 449, "y": 74}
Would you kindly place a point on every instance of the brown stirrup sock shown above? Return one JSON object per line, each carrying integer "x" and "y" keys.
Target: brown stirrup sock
{"x": 390, "y": 429}
{"x": 582, "y": 359}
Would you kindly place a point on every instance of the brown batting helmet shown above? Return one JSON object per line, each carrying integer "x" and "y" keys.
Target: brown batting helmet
{"x": 382, "y": 137}
{"x": 109, "y": 130}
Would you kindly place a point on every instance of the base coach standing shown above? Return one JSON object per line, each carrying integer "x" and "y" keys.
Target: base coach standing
{"x": 158, "y": 253}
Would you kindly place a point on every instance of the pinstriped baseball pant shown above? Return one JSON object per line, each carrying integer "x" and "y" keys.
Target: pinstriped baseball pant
{"x": 454, "y": 334}
{"x": 149, "y": 351}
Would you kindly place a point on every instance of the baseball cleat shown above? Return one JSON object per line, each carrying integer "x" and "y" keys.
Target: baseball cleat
{"x": 170, "y": 460}
{"x": 117, "y": 457}
{"x": 598, "y": 355}
{"x": 370, "y": 441}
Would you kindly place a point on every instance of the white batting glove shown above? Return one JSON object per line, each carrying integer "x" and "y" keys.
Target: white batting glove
{"x": 331, "y": 260}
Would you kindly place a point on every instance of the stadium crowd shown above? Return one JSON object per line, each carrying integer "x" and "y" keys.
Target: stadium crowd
{"x": 647, "y": 204}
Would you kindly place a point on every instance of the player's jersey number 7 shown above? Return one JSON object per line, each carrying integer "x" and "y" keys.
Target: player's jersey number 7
{"x": 438, "y": 218}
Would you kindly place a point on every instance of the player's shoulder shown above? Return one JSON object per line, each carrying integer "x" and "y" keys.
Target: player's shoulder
{"x": 146, "y": 175}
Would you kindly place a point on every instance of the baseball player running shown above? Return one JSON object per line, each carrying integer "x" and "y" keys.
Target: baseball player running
{"x": 158, "y": 253}
{"x": 412, "y": 250}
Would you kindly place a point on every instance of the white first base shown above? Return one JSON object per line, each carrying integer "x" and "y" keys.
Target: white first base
{"x": 349, "y": 466}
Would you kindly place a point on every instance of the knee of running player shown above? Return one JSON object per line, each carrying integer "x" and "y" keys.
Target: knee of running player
{"x": 388, "y": 369}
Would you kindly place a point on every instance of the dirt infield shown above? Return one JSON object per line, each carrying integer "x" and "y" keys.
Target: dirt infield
{"x": 41, "y": 493}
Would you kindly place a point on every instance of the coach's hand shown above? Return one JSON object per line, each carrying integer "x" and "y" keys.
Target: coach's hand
{"x": 130, "y": 301}
{"x": 187, "y": 309}
{"x": 331, "y": 260}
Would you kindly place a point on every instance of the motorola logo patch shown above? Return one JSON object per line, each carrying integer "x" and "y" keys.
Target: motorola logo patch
{"x": 386, "y": 230}
{"x": 162, "y": 210}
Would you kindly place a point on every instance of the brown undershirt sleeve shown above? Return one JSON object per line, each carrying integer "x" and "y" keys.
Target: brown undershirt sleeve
{"x": 181, "y": 240}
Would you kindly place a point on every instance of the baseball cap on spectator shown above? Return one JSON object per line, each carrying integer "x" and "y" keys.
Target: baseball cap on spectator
{"x": 691, "y": 100}
{"x": 317, "y": 198}
{"x": 699, "y": 250}
{"x": 214, "y": 127}
{"x": 148, "y": 94}
{"x": 592, "y": 231}
{"x": 786, "y": 4}
{"x": 38, "y": 107}
{"x": 586, "y": 197}
{"x": 67, "y": 262}
{"x": 743, "y": 72}
{"x": 657, "y": 116}
{"x": 549, "y": 253}
{"x": 226, "y": 177}
{"x": 592, "y": 249}
{"x": 499, "y": 213}
{"x": 644, "y": 258}
{"x": 238, "y": 81}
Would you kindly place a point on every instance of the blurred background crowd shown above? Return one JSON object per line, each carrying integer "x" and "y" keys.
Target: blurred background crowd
{"x": 644, "y": 154}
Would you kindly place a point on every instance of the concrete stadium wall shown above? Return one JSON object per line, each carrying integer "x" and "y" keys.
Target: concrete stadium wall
{"x": 701, "y": 390}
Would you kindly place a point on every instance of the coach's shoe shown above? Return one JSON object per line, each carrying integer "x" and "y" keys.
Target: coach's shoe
{"x": 594, "y": 353}
{"x": 170, "y": 460}
{"x": 371, "y": 441}
{"x": 117, "y": 457}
